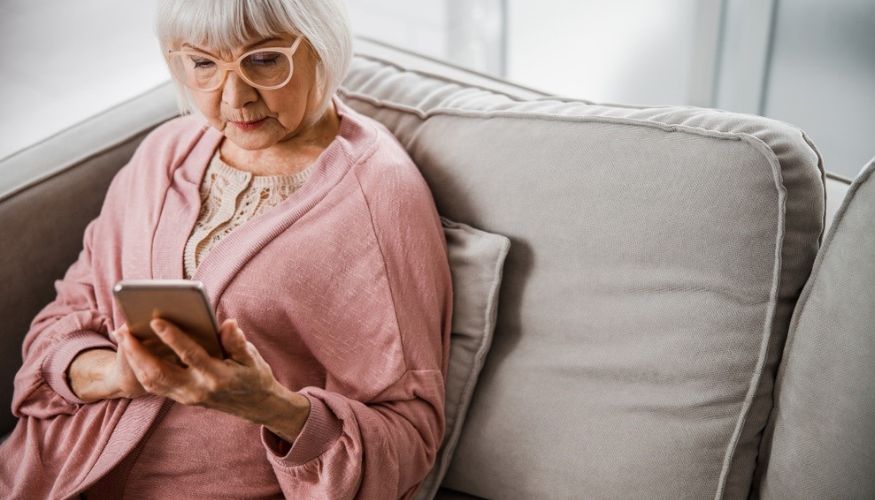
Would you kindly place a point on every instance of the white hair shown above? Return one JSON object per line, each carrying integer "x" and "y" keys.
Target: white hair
{"x": 226, "y": 24}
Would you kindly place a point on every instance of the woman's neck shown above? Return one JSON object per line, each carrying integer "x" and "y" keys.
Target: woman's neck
{"x": 286, "y": 157}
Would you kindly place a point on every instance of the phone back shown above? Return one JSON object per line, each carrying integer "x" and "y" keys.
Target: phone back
{"x": 181, "y": 302}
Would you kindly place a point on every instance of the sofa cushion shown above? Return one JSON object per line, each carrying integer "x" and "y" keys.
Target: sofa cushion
{"x": 657, "y": 256}
{"x": 476, "y": 262}
{"x": 823, "y": 426}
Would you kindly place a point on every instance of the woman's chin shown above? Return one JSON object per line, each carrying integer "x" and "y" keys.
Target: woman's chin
{"x": 250, "y": 140}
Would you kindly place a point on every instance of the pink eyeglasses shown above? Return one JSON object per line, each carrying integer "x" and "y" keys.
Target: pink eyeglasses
{"x": 269, "y": 68}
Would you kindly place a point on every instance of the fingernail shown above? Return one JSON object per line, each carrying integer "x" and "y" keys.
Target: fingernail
{"x": 158, "y": 326}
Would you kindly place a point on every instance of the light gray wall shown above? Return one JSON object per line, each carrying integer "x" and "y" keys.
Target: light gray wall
{"x": 622, "y": 51}
{"x": 822, "y": 77}
{"x": 62, "y": 62}
{"x": 807, "y": 62}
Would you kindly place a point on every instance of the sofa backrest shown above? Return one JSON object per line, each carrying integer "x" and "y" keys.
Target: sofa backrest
{"x": 657, "y": 254}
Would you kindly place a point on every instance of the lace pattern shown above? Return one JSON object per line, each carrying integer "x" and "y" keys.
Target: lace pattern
{"x": 229, "y": 198}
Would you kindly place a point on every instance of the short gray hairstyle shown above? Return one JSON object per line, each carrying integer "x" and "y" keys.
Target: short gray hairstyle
{"x": 226, "y": 24}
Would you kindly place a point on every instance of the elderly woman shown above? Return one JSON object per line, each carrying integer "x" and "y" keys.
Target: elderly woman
{"x": 319, "y": 243}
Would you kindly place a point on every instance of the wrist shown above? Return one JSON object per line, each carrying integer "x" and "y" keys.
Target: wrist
{"x": 87, "y": 375}
{"x": 285, "y": 412}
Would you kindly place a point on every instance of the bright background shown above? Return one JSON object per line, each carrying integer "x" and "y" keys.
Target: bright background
{"x": 808, "y": 62}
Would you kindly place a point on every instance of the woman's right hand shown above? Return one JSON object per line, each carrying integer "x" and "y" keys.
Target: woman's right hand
{"x": 101, "y": 373}
{"x": 120, "y": 378}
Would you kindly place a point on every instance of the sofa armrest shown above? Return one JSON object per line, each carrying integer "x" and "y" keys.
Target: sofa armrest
{"x": 48, "y": 194}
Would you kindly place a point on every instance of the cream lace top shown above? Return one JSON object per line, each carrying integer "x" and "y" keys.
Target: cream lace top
{"x": 229, "y": 198}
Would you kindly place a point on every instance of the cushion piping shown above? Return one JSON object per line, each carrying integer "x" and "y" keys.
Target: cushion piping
{"x": 815, "y": 271}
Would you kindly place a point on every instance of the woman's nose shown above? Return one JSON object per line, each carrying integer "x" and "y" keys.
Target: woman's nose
{"x": 236, "y": 92}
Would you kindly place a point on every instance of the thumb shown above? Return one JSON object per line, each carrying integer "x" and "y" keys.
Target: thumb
{"x": 235, "y": 342}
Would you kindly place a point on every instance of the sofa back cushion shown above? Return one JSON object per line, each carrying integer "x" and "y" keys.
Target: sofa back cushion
{"x": 656, "y": 257}
{"x": 821, "y": 435}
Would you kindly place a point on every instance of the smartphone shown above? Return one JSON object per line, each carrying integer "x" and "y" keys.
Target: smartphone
{"x": 181, "y": 302}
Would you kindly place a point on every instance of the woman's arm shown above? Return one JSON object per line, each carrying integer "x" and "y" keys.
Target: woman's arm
{"x": 385, "y": 445}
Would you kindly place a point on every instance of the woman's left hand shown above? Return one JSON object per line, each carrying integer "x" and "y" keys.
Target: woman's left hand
{"x": 237, "y": 385}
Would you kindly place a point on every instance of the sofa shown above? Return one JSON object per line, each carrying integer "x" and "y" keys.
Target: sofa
{"x": 649, "y": 340}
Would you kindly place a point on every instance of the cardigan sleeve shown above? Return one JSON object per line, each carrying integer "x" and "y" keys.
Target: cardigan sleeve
{"x": 75, "y": 320}
{"x": 67, "y": 326}
{"x": 349, "y": 449}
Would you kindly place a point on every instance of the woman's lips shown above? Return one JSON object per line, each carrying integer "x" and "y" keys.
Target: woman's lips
{"x": 249, "y": 125}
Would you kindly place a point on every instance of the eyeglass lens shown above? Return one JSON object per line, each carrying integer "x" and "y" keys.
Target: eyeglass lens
{"x": 266, "y": 68}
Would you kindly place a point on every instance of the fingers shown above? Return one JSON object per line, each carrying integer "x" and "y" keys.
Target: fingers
{"x": 154, "y": 374}
{"x": 114, "y": 336}
{"x": 235, "y": 343}
{"x": 190, "y": 352}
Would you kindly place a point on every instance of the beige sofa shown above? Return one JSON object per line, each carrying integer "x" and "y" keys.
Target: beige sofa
{"x": 658, "y": 255}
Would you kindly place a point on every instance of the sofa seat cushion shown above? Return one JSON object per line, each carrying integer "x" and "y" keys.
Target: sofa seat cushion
{"x": 657, "y": 254}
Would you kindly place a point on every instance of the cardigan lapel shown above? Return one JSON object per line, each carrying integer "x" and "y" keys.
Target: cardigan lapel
{"x": 182, "y": 204}
{"x": 231, "y": 253}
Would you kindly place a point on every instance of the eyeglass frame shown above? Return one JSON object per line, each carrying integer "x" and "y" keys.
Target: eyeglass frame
{"x": 226, "y": 66}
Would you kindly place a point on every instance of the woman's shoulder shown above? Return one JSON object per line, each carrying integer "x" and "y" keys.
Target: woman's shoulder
{"x": 391, "y": 182}
{"x": 381, "y": 155}
{"x": 389, "y": 169}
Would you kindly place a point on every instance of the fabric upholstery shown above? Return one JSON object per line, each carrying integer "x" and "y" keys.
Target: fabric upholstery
{"x": 657, "y": 256}
{"x": 822, "y": 430}
{"x": 476, "y": 262}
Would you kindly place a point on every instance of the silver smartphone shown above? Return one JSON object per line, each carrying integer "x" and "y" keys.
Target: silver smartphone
{"x": 182, "y": 302}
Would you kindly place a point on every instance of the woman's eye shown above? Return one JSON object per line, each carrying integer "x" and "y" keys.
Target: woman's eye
{"x": 264, "y": 60}
{"x": 202, "y": 63}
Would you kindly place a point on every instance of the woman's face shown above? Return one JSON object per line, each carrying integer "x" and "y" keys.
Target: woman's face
{"x": 282, "y": 111}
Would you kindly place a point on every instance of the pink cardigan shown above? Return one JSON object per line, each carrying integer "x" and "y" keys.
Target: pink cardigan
{"x": 344, "y": 288}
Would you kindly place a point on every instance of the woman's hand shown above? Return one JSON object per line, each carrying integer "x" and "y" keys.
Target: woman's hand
{"x": 242, "y": 385}
{"x": 120, "y": 377}
{"x": 102, "y": 373}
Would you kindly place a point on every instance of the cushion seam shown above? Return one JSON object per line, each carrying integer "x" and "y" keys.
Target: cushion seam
{"x": 460, "y": 113}
{"x": 769, "y": 323}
